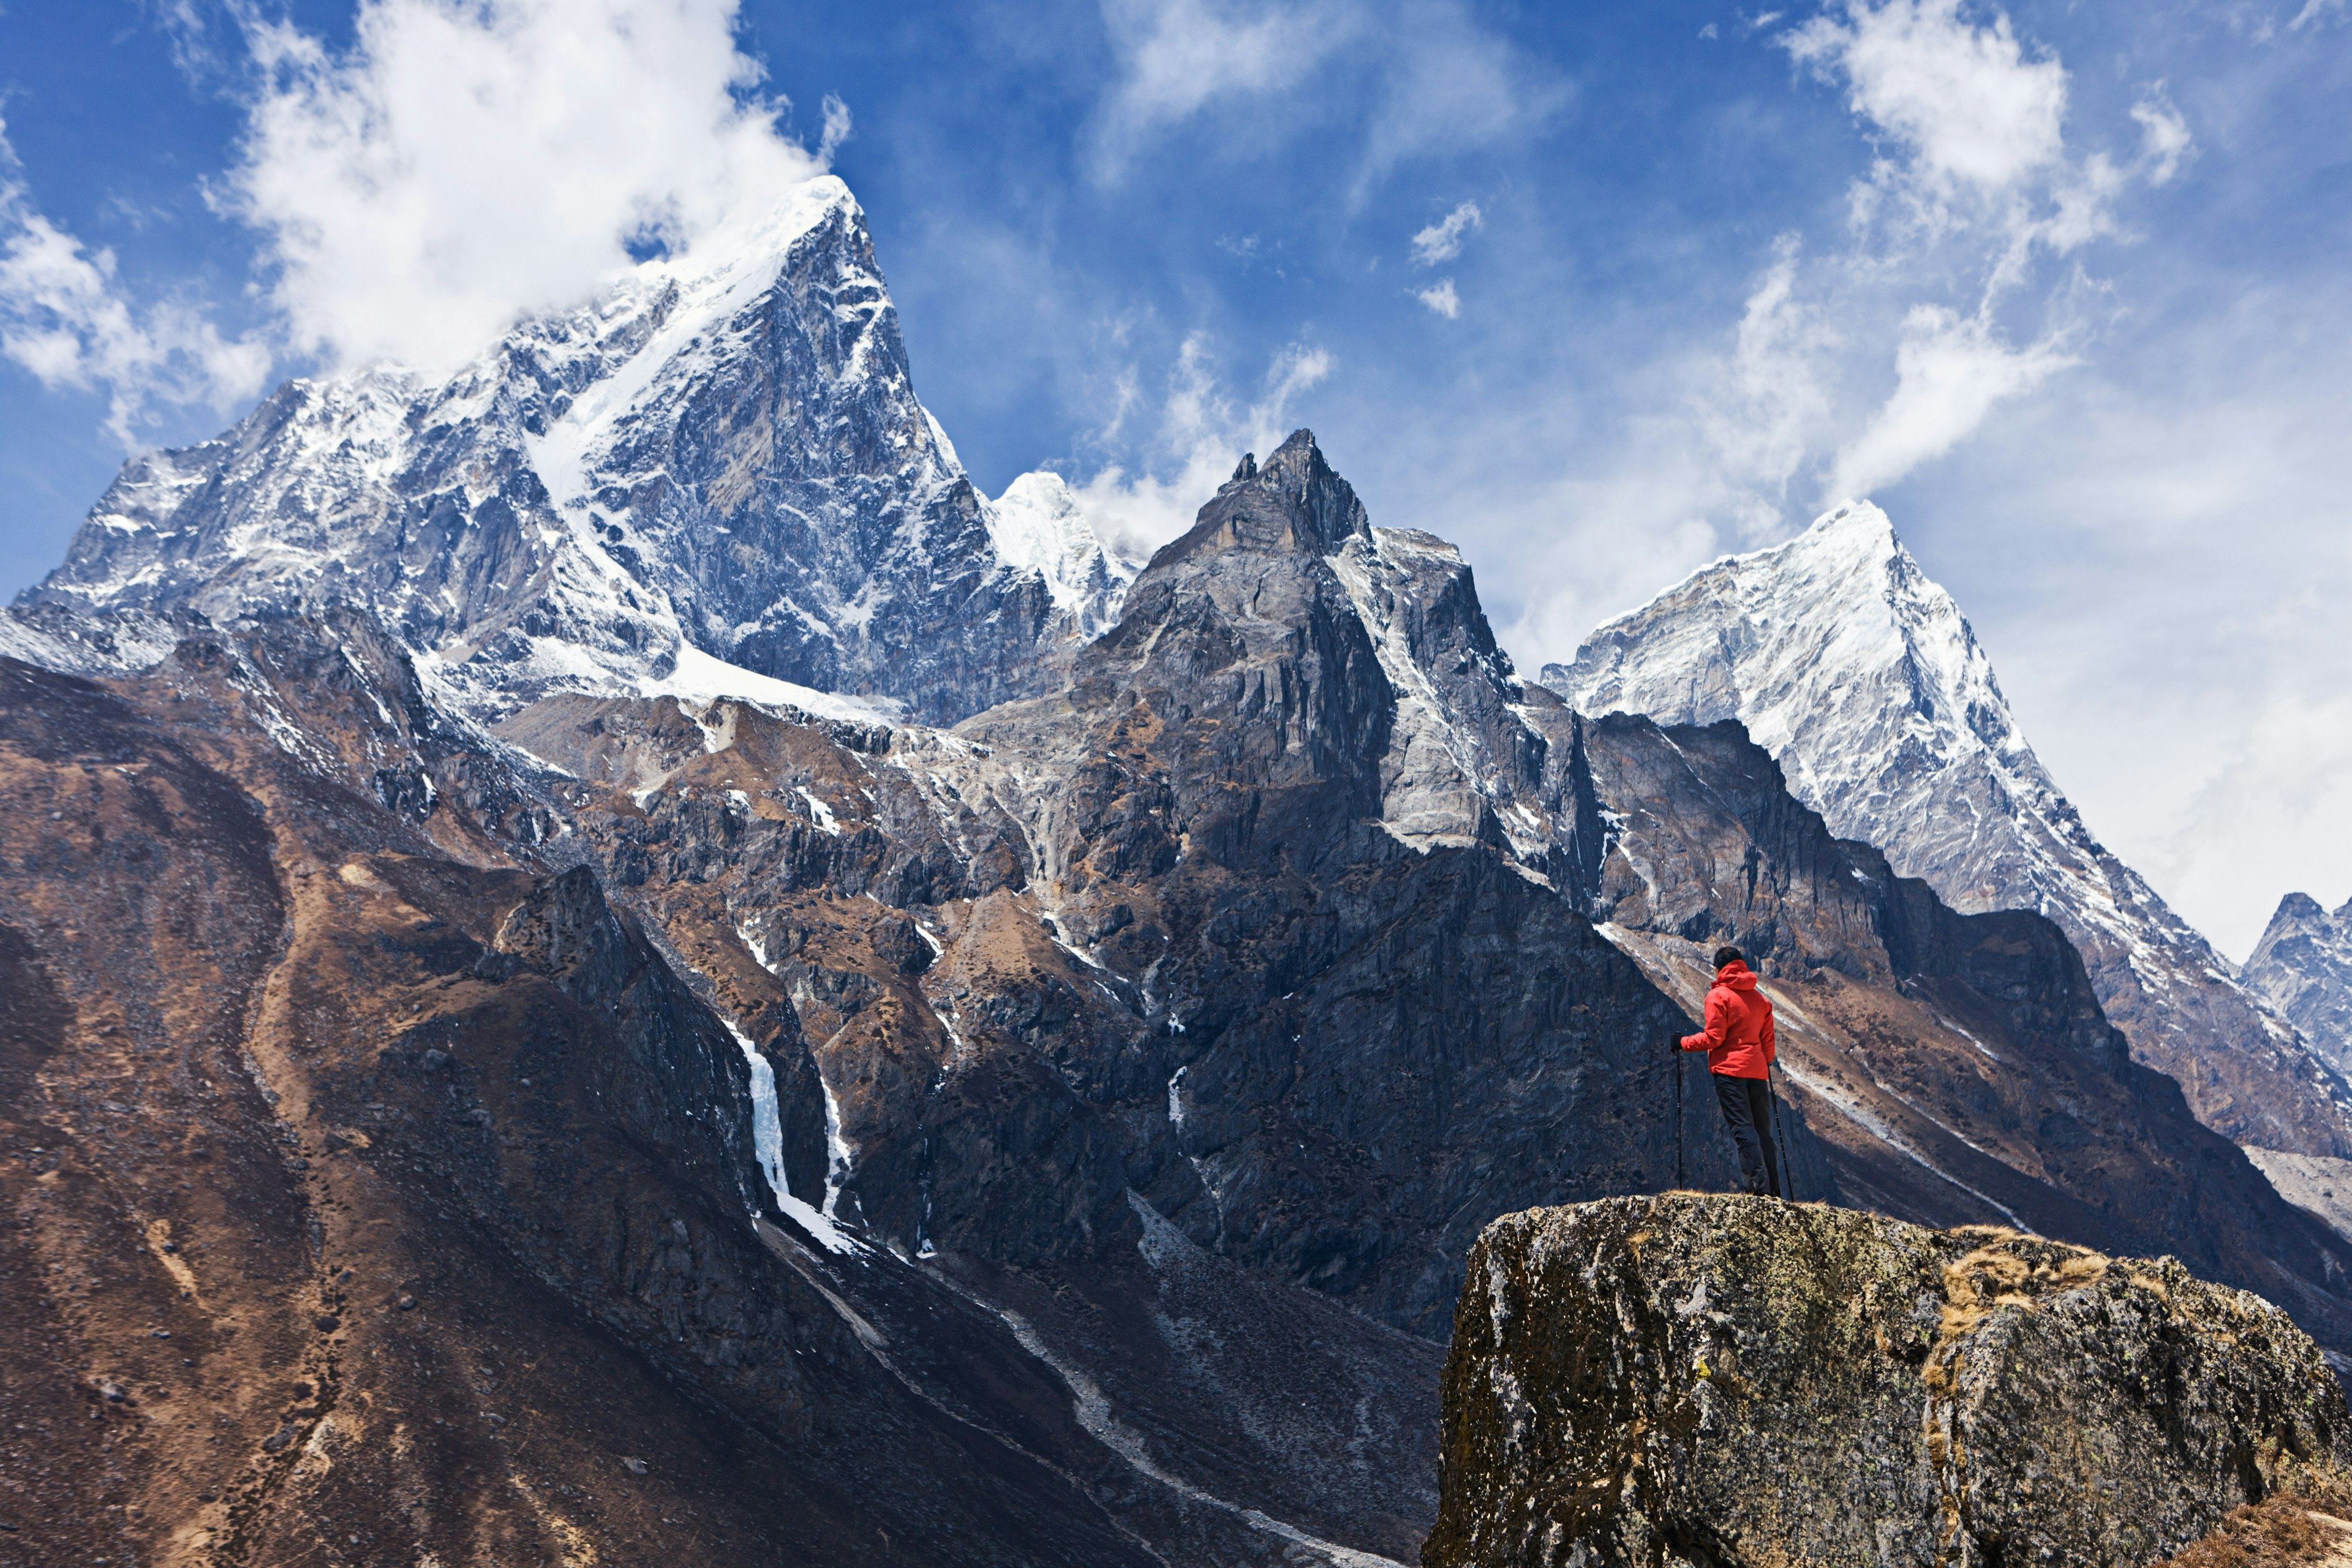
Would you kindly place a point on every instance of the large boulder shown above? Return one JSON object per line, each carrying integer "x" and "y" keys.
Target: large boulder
{"x": 1727, "y": 1381}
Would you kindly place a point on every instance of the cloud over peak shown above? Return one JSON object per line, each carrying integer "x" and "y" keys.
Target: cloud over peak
{"x": 460, "y": 166}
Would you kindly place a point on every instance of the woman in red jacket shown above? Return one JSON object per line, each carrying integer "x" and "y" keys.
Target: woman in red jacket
{"x": 1737, "y": 1040}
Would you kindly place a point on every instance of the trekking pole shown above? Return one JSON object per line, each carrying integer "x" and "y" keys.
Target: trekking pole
{"x": 1678, "y": 1116}
{"x": 1780, "y": 1135}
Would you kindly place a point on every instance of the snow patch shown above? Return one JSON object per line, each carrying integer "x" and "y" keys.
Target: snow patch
{"x": 768, "y": 1146}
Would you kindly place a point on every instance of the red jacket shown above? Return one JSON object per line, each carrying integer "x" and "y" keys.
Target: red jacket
{"x": 1738, "y": 1039}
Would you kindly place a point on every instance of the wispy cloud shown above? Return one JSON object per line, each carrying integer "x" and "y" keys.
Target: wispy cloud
{"x": 1177, "y": 57}
{"x": 1198, "y": 430}
{"x": 1974, "y": 188}
{"x": 1441, "y": 297}
{"x": 1443, "y": 240}
{"x": 1958, "y": 281}
{"x": 1426, "y": 79}
{"x": 65, "y": 317}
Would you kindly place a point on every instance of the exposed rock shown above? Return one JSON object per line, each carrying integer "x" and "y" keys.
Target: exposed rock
{"x": 1956, "y": 1068}
{"x": 2309, "y": 1525}
{"x": 1859, "y": 675}
{"x": 2303, "y": 966}
{"x": 1058, "y": 1136}
{"x": 1731, "y": 1381}
{"x": 723, "y": 459}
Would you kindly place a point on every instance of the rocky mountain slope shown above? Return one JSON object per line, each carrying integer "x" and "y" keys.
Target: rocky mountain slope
{"x": 2302, "y": 967}
{"x": 723, "y": 457}
{"x": 1860, "y": 676}
{"x": 714, "y": 1126}
{"x": 568, "y": 1096}
{"x": 1714, "y": 1380}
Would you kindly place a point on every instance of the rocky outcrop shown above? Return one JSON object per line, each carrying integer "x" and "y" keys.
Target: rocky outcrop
{"x": 1731, "y": 1381}
{"x": 1858, "y": 673}
{"x": 2303, "y": 966}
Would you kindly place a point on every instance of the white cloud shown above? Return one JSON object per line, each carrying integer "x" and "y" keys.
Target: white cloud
{"x": 1951, "y": 371}
{"x": 1177, "y": 57}
{"x": 1963, "y": 101}
{"x": 466, "y": 163}
{"x": 1957, "y": 287}
{"x": 1762, "y": 412}
{"x": 1441, "y": 297}
{"x": 2163, "y": 135}
{"x": 1201, "y": 432}
{"x": 1974, "y": 184}
{"x": 1427, "y": 78}
{"x": 64, "y": 317}
{"x": 1442, "y": 241}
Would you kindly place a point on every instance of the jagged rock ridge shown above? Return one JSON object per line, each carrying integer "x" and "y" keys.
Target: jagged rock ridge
{"x": 1955, "y": 1068}
{"x": 1859, "y": 674}
{"x": 1072, "y": 1121}
{"x": 2303, "y": 966}
{"x": 1076, "y": 1119}
{"x": 722, "y": 459}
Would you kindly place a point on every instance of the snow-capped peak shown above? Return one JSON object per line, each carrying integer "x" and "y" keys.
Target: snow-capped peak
{"x": 1817, "y": 646}
{"x": 1857, "y": 672}
{"x": 724, "y": 454}
{"x": 1037, "y": 525}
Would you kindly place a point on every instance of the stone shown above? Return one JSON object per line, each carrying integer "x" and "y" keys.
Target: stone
{"x": 1731, "y": 1381}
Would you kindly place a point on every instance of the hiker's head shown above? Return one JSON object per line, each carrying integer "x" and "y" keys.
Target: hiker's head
{"x": 1726, "y": 956}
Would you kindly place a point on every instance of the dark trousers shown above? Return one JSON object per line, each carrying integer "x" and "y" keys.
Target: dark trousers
{"x": 1748, "y": 1111}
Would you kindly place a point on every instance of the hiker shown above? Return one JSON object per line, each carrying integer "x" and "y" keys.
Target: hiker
{"x": 1737, "y": 1040}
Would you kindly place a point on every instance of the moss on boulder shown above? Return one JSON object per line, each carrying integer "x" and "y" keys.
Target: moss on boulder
{"x": 1725, "y": 1381}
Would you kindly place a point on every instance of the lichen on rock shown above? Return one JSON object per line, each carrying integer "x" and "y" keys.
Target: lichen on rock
{"x": 1731, "y": 1381}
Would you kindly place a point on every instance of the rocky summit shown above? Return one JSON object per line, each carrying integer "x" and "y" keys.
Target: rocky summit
{"x": 1727, "y": 1381}
{"x": 2303, "y": 966}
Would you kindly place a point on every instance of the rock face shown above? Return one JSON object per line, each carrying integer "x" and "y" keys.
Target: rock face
{"x": 2302, "y": 967}
{"x": 724, "y": 456}
{"x": 362, "y": 1181}
{"x": 1730, "y": 1381}
{"x": 1860, "y": 676}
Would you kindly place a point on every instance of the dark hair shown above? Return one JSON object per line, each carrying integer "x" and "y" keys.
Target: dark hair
{"x": 1723, "y": 955}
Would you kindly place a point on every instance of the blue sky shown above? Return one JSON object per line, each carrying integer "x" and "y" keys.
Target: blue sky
{"x": 2062, "y": 286}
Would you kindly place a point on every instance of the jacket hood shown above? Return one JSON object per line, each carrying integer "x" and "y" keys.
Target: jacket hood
{"x": 1737, "y": 975}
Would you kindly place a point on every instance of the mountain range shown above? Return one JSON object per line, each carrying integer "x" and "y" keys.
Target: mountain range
{"x": 610, "y": 959}
{"x": 1862, "y": 678}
